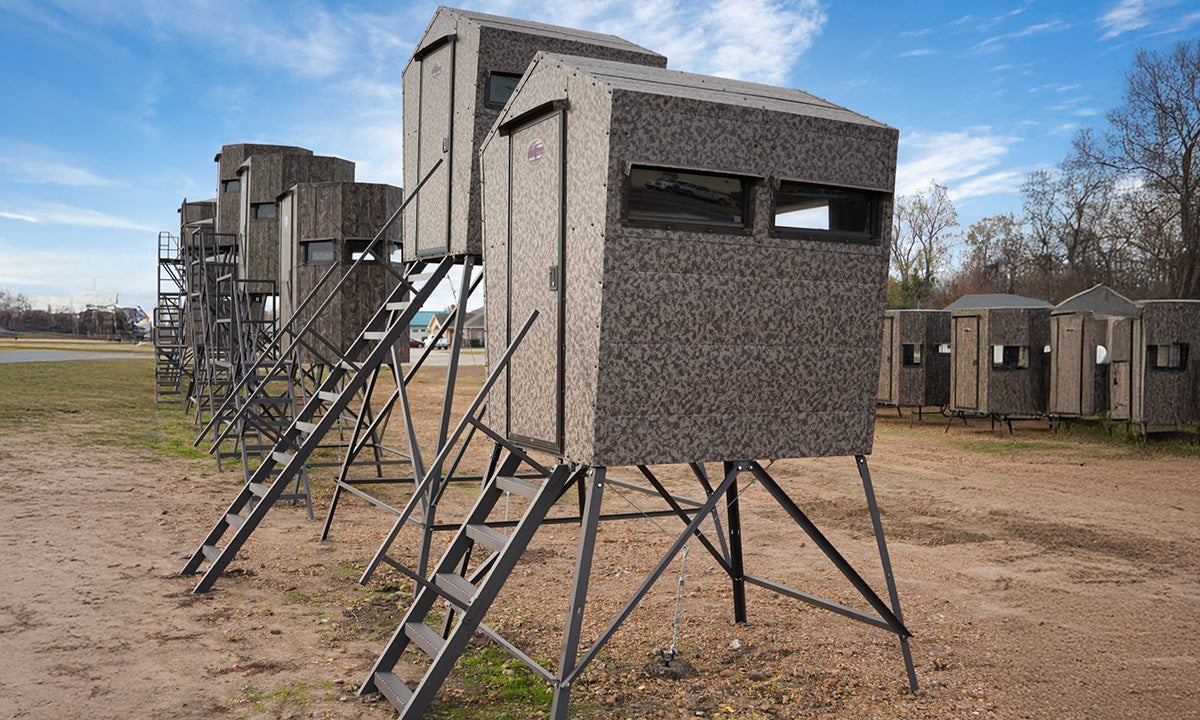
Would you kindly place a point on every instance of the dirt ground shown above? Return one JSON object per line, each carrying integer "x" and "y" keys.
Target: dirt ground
{"x": 1043, "y": 576}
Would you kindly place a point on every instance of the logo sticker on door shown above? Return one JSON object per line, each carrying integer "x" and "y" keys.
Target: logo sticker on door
{"x": 537, "y": 149}
{"x": 436, "y": 69}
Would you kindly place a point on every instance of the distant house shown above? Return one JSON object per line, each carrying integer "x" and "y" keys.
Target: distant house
{"x": 474, "y": 332}
{"x": 418, "y": 328}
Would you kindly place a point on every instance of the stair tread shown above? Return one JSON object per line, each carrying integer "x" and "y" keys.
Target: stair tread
{"x": 517, "y": 486}
{"x": 258, "y": 489}
{"x": 457, "y": 587}
{"x": 234, "y": 520}
{"x": 212, "y": 552}
{"x": 393, "y": 688}
{"x": 487, "y": 536}
{"x": 424, "y": 637}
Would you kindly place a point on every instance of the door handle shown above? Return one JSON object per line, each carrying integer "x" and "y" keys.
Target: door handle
{"x": 554, "y": 277}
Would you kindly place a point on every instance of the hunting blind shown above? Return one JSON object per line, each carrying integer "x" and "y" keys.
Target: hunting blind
{"x": 463, "y": 71}
{"x": 998, "y": 355}
{"x": 914, "y": 369}
{"x": 708, "y": 259}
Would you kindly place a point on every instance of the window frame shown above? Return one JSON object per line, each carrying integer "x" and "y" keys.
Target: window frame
{"x": 236, "y": 183}
{"x": 1152, "y": 352}
{"x": 487, "y": 87}
{"x": 745, "y": 227}
{"x": 306, "y": 244}
{"x": 1022, "y": 358}
{"x": 254, "y": 210}
{"x": 353, "y": 245}
{"x": 873, "y": 236}
{"x": 911, "y": 354}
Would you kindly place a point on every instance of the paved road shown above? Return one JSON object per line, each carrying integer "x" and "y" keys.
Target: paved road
{"x": 16, "y": 356}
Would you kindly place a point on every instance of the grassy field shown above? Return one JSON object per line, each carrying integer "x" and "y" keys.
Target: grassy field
{"x": 1014, "y": 554}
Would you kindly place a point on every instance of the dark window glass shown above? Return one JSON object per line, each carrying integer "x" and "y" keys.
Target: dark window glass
{"x": 500, "y": 87}
{"x": 264, "y": 211}
{"x": 912, "y": 354}
{"x": 1010, "y": 357}
{"x": 318, "y": 252}
{"x": 232, "y": 185}
{"x": 1167, "y": 357}
{"x": 691, "y": 198}
{"x": 807, "y": 209}
{"x": 356, "y": 249}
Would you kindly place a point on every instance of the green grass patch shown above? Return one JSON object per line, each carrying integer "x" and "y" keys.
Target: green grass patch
{"x": 1006, "y": 445}
{"x": 107, "y": 402}
{"x": 496, "y": 687}
{"x": 279, "y": 701}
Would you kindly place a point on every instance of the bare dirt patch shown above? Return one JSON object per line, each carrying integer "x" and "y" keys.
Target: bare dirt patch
{"x": 1043, "y": 576}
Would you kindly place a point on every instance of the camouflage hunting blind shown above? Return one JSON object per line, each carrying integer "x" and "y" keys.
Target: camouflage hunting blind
{"x": 263, "y": 179}
{"x": 914, "y": 368}
{"x": 332, "y": 223}
{"x": 1082, "y": 340}
{"x": 456, "y": 83}
{"x": 999, "y": 347}
{"x": 708, "y": 258}
{"x": 1155, "y": 375}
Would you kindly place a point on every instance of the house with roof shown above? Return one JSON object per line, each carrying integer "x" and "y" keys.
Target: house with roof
{"x": 474, "y": 331}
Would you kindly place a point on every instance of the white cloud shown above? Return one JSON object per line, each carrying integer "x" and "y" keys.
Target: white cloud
{"x": 61, "y": 278}
{"x": 1126, "y": 16}
{"x": 1003, "y": 182}
{"x": 32, "y": 164}
{"x": 918, "y": 52}
{"x": 954, "y": 159}
{"x": 756, "y": 40}
{"x": 1065, "y": 127}
{"x": 60, "y": 214}
{"x": 997, "y": 42}
{"x": 916, "y": 33}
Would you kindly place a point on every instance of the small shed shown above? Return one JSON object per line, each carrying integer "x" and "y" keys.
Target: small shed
{"x": 1080, "y": 356}
{"x": 229, "y": 186}
{"x": 914, "y": 370}
{"x": 460, "y": 76}
{"x": 332, "y": 223}
{"x": 1155, "y": 374}
{"x": 998, "y": 349}
{"x": 263, "y": 179}
{"x": 708, "y": 258}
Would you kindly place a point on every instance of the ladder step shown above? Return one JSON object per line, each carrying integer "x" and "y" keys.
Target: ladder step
{"x": 234, "y": 520}
{"x": 374, "y": 334}
{"x": 457, "y": 587}
{"x": 393, "y": 688}
{"x": 517, "y": 486}
{"x": 212, "y": 552}
{"x": 488, "y": 537}
{"x": 420, "y": 276}
{"x": 397, "y": 306}
{"x": 349, "y": 366}
{"x": 258, "y": 489}
{"x": 424, "y": 637}
{"x": 329, "y": 396}
{"x": 281, "y": 457}
{"x": 305, "y": 426}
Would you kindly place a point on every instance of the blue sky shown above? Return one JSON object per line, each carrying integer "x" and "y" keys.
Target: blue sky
{"x": 115, "y": 108}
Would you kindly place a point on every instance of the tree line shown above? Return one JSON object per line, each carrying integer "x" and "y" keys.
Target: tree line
{"x": 1123, "y": 209}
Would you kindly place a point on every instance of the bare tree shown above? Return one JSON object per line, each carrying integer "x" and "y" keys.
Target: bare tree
{"x": 10, "y": 300}
{"x": 1155, "y": 137}
{"x": 922, "y": 230}
{"x": 998, "y": 254}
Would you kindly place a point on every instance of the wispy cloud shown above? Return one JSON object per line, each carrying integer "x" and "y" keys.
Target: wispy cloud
{"x": 998, "y": 42}
{"x": 1065, "y": 127}
{"x": 916, "y": 33}
{"x": 61, "y": 279}
{"x": 1126, "y": 16}
{"x": 24, "y": 163}
{"x": 746, "y": 39}
{"x": 60, "y": 214}
{"x": 966, "y": 158}
{"x": 918, "y": 52}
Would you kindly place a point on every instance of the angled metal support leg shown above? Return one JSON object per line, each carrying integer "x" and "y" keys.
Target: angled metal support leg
{"x": 865, "y": 473}
{"x": 733, "y": 516}
{"x": 583, "y": 572}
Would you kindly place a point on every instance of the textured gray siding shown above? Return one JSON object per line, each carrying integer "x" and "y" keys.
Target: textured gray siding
{"x": 337, "y": 211}
{"x": 482, "y": 44}
{"x": 1013, "y": 392}
{"x": 1169, "y": 397}
{"x": 229, "y": 160}
{"x": 926, "y": 384}
{"x": 690, "y": 345}
{"x": 264, "y": 179}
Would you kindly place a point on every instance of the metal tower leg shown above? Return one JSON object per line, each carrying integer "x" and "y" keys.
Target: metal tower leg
{"x": 734, "y": 520}
{"x": 865, "y": 473}
{"x": 583, "y": 572}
